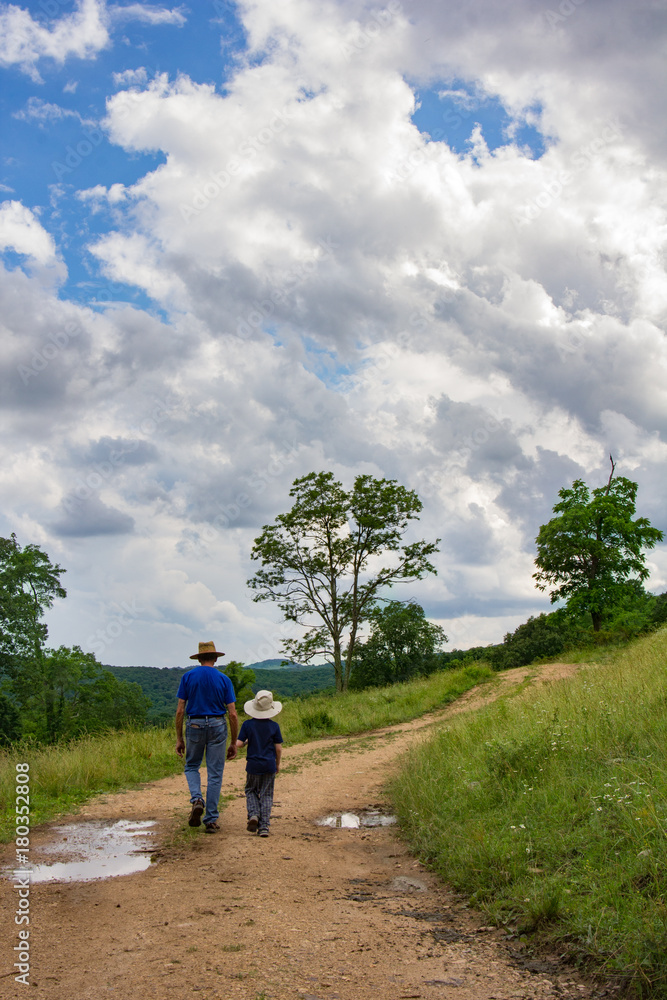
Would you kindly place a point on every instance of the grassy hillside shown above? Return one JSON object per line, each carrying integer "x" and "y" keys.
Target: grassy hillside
{"x": 551, "y": 812}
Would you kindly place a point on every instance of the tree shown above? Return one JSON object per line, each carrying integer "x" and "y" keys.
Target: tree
{"x": 330, "y": 557}
{"x": 242, "y": 680}
{"x": 544, "y": 636}
{"x": 592, "y": 550}
{"x": 402, "y": 644}
{"x": 67, "y": 692}
{"x": 10, "y": 723}
{"x": 29, "y": 584}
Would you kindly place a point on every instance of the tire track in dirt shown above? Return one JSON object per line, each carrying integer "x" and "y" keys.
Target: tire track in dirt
{"x": 310, "y": 912}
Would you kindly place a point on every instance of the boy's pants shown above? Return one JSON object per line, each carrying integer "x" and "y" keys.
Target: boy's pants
{"x": 259, "y": 797}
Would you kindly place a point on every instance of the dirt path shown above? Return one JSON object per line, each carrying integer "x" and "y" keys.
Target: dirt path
{"x": 310, "y": 912}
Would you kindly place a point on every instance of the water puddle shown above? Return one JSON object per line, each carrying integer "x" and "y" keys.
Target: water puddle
{"x": 353, "y": 821}
{"x": 96, "y": 850}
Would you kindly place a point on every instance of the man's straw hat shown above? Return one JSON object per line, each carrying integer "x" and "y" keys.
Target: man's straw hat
{"x": 206, "y": 649}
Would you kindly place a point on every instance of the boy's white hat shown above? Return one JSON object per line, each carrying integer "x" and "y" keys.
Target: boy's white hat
{"x": 263, "y": 706}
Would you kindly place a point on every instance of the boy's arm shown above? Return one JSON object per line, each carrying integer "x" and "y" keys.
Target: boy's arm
{"x": 279, "y": 753}
{"x": 240, "y": 743}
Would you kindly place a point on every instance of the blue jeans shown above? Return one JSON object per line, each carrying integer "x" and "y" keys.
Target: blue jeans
{"x": 208, "y": 735}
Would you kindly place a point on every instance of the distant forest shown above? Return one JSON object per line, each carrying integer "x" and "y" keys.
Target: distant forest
{"x": 161, "y": 684}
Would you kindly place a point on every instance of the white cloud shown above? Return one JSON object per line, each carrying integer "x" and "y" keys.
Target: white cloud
{"x": 131, "y": 77}
{"x": 24, "y": 41}
{"x": 21, "y": 231}
{"x": 148, "y": 14}
{"x": 43, "y": 111}
{"x": 334, "y": 291}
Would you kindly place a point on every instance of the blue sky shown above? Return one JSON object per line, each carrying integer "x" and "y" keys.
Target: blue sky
{"x": 57, "y": 147}
{"x": 243, "y": 242}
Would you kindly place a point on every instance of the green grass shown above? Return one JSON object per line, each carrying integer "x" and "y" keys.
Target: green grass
{"x": 359, "y": 711}
{"x": 550, "y": 812}
{"x": 63, "y": 776}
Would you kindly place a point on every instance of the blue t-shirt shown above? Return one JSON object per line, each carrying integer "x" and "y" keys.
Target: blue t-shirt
{"x": 206, "y": 691}
{"x": 261, "y": 735}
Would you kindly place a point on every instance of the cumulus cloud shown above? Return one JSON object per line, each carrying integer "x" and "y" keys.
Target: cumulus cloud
{"x": 25, "y": 40}
{"x": 90, "y": 516}
{"x": 21, "y": 231}
{"x": 332, "y": 289}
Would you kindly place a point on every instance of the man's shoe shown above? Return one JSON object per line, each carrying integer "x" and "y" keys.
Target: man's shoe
{"x": 253, "y": 823}
{"x": 212, "y": 827}
{"x": 263, "y": 833}
{"x": 195, "y": 813}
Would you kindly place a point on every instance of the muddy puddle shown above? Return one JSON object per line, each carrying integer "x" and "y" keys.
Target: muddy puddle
{"x": 353, "y": 821}
{"x": 95, "y": 849}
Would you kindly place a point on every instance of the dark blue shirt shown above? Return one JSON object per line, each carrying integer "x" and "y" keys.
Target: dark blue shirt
{"x": 206, "y": 691}
{"x": 261, "y": 735}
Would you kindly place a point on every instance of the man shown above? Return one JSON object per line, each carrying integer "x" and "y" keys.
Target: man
{"x": 209, "y": 696}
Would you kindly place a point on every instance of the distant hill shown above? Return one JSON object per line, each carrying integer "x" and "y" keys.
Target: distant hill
{"x": 279, "y": 664}
{"x": 160, "y": 684}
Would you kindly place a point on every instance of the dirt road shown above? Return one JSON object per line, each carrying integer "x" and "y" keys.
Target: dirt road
{"x": 311, "y": 912}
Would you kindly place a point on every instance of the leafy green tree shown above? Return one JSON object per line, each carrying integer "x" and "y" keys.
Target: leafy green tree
{"x": 659, "y": 611}
{"x": 544, "y": 636}
{"x": 242, "y": 680}
{"x": 10, "y": 723}
{"x": 29, "y": 584}
{"x": 326, "y": 561}
{"x": 402, "y": 644}
{"x": 592, "y": 549}
{"x": 67, "y": 692}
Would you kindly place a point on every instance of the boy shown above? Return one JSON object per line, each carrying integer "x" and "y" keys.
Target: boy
{"x": 264, "y": 741}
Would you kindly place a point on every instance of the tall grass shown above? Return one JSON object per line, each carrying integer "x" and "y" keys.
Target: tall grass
{"x": 550, "y": 811}
{"x": 357, "y": 711}
{"x": 67, "y": 774}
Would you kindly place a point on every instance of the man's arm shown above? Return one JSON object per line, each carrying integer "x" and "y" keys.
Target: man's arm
{"x": 180, "y": 714}
{"x": 233, "y": 730}
{"x": 279, "y": 753}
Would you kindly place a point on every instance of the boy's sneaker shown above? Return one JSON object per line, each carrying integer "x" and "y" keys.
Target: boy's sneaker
{"x": 195, "y": 813}
{"x": 212, "y": 827}
{"x": 263, "y": 833}
{"x": 253, "y": 823}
